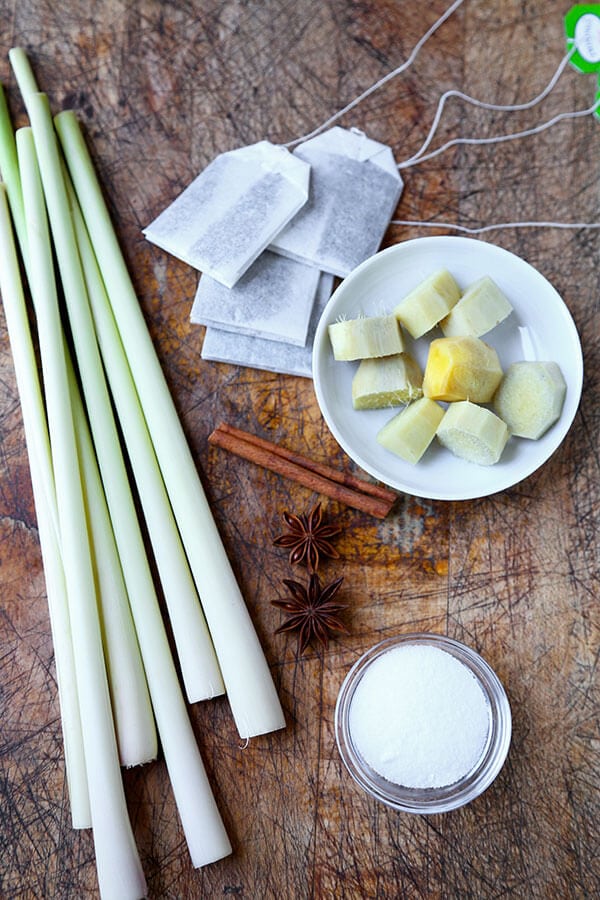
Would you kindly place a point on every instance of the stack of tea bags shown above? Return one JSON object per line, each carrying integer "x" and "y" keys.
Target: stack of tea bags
{"x": 269, "y": 230}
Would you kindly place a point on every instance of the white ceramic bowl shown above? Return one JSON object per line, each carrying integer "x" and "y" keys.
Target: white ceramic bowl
{"x": 540, "y": 327}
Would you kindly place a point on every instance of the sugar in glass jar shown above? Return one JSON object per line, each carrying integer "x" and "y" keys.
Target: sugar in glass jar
{"x": 423, "y": 723}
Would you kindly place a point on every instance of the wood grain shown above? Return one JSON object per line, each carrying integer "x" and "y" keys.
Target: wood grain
{"x": 162, "y": 87}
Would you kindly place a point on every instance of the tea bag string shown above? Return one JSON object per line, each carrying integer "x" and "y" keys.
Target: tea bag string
{"x": 502, "y": 138}
{"x": 496, "y": 140}
{"x": 380, "y": 83}
{"x": 499, "y": 226}
{"x": 480, "y": 104}
{"x": 421, "y": 156}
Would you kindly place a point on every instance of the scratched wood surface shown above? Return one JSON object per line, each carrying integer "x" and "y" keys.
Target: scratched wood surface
{"x": 162, "y": 87}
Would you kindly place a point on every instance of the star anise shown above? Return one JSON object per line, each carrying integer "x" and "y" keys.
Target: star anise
{"x": 312, "y": 611}
{"x": 308, "y": 538}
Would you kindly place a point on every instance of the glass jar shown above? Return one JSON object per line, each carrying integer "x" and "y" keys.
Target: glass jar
{"x": 425, "y": 800}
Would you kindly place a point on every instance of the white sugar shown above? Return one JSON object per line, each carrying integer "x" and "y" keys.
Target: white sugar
{"x": 419, "y": 717}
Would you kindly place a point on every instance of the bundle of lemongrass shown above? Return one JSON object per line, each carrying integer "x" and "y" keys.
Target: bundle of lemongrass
{"x": 115, "y": 673}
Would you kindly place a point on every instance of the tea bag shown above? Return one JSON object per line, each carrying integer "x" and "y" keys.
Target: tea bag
{"x": 273, "y": 300}
{"x": 354, "y": 189}
{"x": 272, "y": 356}
{"x": 227, "y": 216}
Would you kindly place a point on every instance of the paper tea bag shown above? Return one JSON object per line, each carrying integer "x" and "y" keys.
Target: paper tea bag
{"x": 272, "y": 356}
{"x": 354, "y": 189}
{"x": 227, "y": 216}
{"x": 273, "y": 300}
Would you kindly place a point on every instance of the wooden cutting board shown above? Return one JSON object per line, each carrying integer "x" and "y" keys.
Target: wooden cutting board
{"x": 161, "y": 89}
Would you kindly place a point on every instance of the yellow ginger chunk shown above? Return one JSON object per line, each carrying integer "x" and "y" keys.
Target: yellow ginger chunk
{"x": 411, "y": 431}
{"x": 461, "y": 368}
{"x": 481, "y": 308}
{"x": 473, "y": 433}
{"x": 389, "y": 381}
{"x": 365, "y": 337}
{"x": 429, "y": 302}
{"x": 530, "y": 397}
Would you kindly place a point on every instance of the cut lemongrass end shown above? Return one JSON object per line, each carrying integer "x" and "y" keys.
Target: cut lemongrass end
{"x": 23, "y": 72}
{"x": 34, "y": 421}
{"x": 473, "y": 433}
{"x": 130, "y": 701}
{"x": 412, "y": 430}
{"x": 248, "y": 681}
{"x": 390, "y": 381}
{"x": 9, "y": 169}
{"x": 429, "y": 302}
{"x": 365, "y": 337}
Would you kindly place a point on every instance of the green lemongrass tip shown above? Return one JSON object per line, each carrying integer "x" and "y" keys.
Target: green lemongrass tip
{"x": 23, "y": 72}
{"x": 199, "y": 666}
{"x": 34, "y": 419}
{"x": 250, "y": 689}
{"x": 116, "y": 855}
{"x": 9, "y": 169}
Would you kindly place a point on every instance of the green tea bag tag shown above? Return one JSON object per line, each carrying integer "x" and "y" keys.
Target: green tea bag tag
{"x": 582, "y": 27}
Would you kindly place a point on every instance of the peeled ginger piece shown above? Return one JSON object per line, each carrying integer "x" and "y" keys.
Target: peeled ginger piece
{"x": 365, "y": 337}
{"x": 481, "y": 308}
{"x": 429, "y": 302}
{"x": 530, "y": 397}
{"x": 473, "y": 433}
{"x": 411, "y": 431}
{"x": 461, "y": 368}
{"x": 390, "y": 381}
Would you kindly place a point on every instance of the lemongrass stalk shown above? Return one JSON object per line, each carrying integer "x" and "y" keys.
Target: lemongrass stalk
{"x": 42, "y": 476}
{"x": 201, "y": 821}
{"x": 199, "y": 667}
{"x": 40, "y": 464}
{"x": 214, "y": 844}
{"x": 34, "y": 418}
{"x": 130, "y": 701}
{"x": 251, "y": 692}
{"x": 202, "y": 824}
{"x": 119, "y": 869}
{"x": 134, "y": 722}
{"x": 9, "y": 167}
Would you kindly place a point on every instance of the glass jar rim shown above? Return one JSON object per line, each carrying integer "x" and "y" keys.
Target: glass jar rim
{"x": 438, "y": 799}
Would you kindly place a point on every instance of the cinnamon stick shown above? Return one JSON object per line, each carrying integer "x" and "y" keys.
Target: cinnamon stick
{"x": 372, "y": 499}
{"x": 366, "y": 487}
